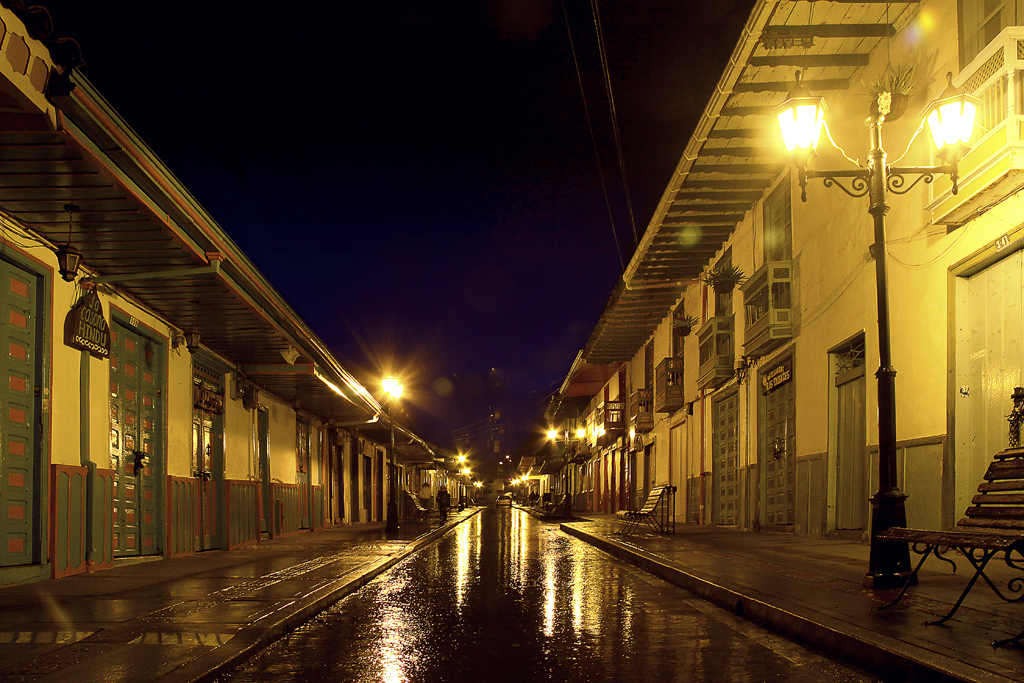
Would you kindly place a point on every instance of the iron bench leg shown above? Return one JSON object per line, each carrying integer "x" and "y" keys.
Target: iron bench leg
{"x": 912, "y": 579}
{"x": 979, "y": 571}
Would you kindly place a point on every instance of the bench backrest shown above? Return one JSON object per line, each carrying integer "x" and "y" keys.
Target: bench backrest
{"x": 999, "y": 505}
{"x": 652, "y": 499}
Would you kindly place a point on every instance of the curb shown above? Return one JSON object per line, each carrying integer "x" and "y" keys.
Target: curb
{"x": 879, "y": 654}
{"x": 271, "y": 627}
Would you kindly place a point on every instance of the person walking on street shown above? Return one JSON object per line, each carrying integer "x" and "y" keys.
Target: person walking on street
{"x": 425, "y": 495}
{"x": 443, "y": 500}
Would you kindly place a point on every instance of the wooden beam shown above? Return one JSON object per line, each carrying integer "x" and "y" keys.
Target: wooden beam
{"x": 816, "y": 85}
{"x": 743, "y": 152}
{"x": 737, "y": 169}
{"x": 762, "y": 110}
{"x": 831, "y": 31}
{"x": 685, "y": 195}
{"x": 735, "y": 133}
{"x": 805, "y": 61}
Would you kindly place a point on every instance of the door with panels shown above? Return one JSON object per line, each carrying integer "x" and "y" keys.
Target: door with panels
{"x": 778, "y": 452}
{"x": 136, "y": 429}
{"x": 207, "y": 453}
{"x": 726, "y": 416}
{"x": 20, "y": 416}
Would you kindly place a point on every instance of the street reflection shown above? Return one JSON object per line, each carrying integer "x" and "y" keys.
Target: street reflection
{"x": 505, "y": 597}
{"x": 393, "y": 641}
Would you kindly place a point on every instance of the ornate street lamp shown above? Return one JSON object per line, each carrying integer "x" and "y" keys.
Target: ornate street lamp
{"x": 951, "y": 119}
{"x": 393, "y": 388}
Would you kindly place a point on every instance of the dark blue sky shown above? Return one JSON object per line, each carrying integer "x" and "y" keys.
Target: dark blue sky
{"x": 417, "y": 178}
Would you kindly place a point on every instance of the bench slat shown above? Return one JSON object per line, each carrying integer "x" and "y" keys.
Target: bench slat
{"x": 998, "y": 499}
{"x": 952, "y": 539}
{"x": 1006, "y": 469}
{"x": 994, "y": 512}
{"x": 1008, "y": 485}
{"x": 1017, "y": 524}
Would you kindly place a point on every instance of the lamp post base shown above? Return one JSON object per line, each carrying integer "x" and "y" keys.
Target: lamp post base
{"x": 888, "y": 563}
{"x": 392, "y": 519}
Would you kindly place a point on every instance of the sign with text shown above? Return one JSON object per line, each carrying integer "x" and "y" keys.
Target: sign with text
{"x": 777, "y": 376}
{"x": 86, "y": 328}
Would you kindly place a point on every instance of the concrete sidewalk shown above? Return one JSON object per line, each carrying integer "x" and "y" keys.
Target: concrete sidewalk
{"x": 186, "y": 619}
{"x": 810, "y": 589}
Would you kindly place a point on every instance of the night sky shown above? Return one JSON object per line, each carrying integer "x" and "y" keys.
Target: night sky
{"x": 417, "y": 178}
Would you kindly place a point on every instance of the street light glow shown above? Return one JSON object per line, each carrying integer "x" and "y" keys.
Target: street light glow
{"x": 392, "y": 387}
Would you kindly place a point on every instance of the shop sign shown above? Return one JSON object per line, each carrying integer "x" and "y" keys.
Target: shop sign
{"x": 86, "y": 328}
{"x": 777, "y": 376}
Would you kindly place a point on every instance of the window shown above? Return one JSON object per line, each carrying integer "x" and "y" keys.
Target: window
{"x": 778, "y": 224}
{"x": 981, "y": 21}
{"x": 723, "y": 301}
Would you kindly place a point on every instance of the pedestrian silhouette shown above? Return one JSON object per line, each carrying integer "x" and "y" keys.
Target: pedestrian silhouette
{"x": 443, "y": 500}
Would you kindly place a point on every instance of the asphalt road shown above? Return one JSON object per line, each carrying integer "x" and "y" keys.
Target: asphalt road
{"x": 508, "y": 598}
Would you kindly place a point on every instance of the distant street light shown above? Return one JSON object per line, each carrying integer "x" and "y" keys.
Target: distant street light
{"x": 393, "y": 388}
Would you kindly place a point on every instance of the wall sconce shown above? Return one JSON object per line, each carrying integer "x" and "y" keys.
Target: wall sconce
{"x": 743, "y": 365}
{"x": 192, "y": 341}
{"x": 68, "y": 258}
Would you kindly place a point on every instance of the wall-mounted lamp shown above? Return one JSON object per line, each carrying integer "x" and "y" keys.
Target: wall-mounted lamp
{"x": 68, "y": 258}
{"x": 743, "y": 365}
{"x": 192, "y": 341}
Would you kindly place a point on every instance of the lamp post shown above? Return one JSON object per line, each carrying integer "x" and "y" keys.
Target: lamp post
{"x": 393, "y": 388}
{"x": 951, "y": 120}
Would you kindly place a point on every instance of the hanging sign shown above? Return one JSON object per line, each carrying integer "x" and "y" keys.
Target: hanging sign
{"x": 777, "y": 376}
{"x": 86, "y": 328}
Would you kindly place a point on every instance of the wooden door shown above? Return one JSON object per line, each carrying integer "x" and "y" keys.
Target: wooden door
{"x": 851, "y": 449}
{"x": 778, "y": 455}
{"x": 725, "y": 414}
{"x": 19, "y": 441}
{"x": 136, "y": 426}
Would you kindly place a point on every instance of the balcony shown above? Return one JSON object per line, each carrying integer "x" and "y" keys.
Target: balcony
{"x": 641, "y": 411}
{"x": 668, "y": 386}
{"x": 715, "y": 346}
{"x": 611, "y": 419}
{"x": 994, "y": 168}
{"x": 768, "y": 305}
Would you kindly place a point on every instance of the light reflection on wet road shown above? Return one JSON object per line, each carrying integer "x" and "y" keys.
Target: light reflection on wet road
{"x": 507, "y": 598}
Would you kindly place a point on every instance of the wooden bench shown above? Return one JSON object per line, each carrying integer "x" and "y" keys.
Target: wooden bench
{"x": 416, "y": 507}
{"x": 649, "y": 512}
{"x": 993, "y": 524}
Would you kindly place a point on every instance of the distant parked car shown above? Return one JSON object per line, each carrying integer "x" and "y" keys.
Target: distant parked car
{"x": 504, "y": 499}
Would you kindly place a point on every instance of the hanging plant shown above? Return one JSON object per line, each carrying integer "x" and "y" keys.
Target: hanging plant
{"x": 723, "y": 278}
{"x": 686, "y": 323}
{"x": 891, "y": 92}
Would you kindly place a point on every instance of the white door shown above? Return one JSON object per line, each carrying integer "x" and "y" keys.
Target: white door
{"x": 988, "y": 360}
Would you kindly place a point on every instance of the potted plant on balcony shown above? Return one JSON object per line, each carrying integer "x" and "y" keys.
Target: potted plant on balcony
{"x": 891, "y": 92}
{"x": 723, "y": 278}
{"x": 686, "y": 323}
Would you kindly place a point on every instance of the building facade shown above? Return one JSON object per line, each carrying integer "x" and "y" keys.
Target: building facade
{"x": 161, "y": 398}
{"x": 759, "y": 404}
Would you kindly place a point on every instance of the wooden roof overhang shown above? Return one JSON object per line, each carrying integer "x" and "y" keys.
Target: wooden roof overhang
{"x": 735, "y": 153}
{"x": 134, "y": 217}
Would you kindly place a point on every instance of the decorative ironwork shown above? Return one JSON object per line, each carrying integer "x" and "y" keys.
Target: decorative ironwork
{"x": 896, "y": 181}
{"x": 858, "y": 185}
{"x": 1016, "y": 416}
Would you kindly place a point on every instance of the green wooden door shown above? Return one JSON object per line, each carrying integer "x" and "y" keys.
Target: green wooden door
{"x": 135, "y": 428}
{"x": 19, "y": 451}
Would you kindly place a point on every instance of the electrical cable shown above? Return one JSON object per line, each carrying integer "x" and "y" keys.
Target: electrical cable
{"x": 614, "y": 115}
{"x": 593, "y": 138}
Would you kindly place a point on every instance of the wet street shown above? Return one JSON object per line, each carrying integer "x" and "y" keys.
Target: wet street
{"x": 505, "y": 597}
